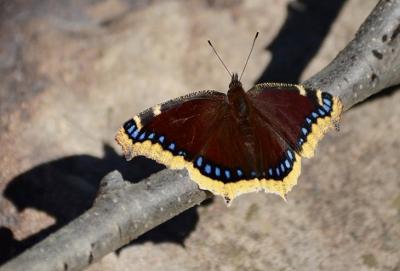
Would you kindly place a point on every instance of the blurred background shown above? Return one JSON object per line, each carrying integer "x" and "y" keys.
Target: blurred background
{"x": 71, "y": 72}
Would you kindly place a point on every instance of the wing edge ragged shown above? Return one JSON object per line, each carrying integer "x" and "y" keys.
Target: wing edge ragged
{"x": 229, "y": 191}
{"x": 321, "y": 124}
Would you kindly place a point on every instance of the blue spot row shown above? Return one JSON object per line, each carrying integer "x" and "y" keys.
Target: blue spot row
{"x": 140, "y": 136}
{"x": 284, "y": 167}
{"x": 213, "y": 171}
{"x": 223, "y": 174}
{"x": 324, "y": 110}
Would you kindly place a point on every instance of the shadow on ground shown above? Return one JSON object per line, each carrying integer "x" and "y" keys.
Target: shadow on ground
{"x": 306, "y": 26}
{"x": 66, "y": 188}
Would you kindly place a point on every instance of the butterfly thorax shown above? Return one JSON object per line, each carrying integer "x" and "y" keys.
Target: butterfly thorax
{"x": 240, "y": 109}
{"x": 237, "y": 99}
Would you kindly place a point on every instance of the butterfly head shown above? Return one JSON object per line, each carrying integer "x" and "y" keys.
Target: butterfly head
{"x": 235, "y": 83}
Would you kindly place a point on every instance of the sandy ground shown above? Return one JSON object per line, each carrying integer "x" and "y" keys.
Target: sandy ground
{"x": 73, "y": 71}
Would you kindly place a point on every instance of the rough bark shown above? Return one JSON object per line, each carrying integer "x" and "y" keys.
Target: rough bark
{"x": 124, "y": 211}
{"x": 369, "y": 63}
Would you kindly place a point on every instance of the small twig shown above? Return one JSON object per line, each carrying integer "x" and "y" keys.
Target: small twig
{"x": 124, "y": 211}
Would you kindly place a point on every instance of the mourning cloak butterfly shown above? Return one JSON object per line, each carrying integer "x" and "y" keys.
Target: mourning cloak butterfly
{"x": 238, "y": 142}
{"x": 235, "y": 143}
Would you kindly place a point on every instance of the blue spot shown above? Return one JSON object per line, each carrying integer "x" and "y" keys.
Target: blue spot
{"x": 171, "y": 146}
{"x": 278, "y": 172}
{"x": 239, "y": 172}
{"x": 315, "y": 115}
{"x": 199, "y": 161}
{"x": 161, "y": 139}
{"x": 327, "y": 109}
{"x": 135, "y": 133}
{"x": 217, "y": 171}
{"x": 182, "y": 153}
{"x": 282, "y": 168}
{"x": 270, "y": 171}
{"x": 301, "y": 141}
{"x": 304, "y": 130}
{"x": 253, "y": 174}
{"x": 321, "y": 112}
{"x": 227, "y": 174}
{"x": 151, "y": 136}
{"x": 287, "y": 164}
{"x": 327, "y": 102}
{"x": 142, "y": 136}
{"x": 308, "y": 120}
{"x": 290, "y": 154}
{"x": 130, "y": 130}
{"x": 207, "y": 169}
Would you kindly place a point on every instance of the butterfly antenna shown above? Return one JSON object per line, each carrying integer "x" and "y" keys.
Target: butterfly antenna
{"x": 248, "y": 57}
{"x": 215, "y": 51}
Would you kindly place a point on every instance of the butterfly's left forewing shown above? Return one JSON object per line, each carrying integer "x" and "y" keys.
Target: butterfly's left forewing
{"x": 175, "y": 128}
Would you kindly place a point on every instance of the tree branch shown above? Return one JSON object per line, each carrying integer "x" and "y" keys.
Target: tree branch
{"x": 369, "y": 63}
{"x": 124, "y": 211}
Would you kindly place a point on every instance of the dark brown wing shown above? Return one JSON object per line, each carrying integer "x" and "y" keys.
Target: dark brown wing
{"x": 197, "y": 132}
{"x": 180, "y": 126}
{"x": 197, "y": 127}
{"x": 299, "y": 116}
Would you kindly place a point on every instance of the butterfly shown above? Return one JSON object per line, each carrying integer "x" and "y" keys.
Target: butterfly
{"x": 235, "y": 143}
